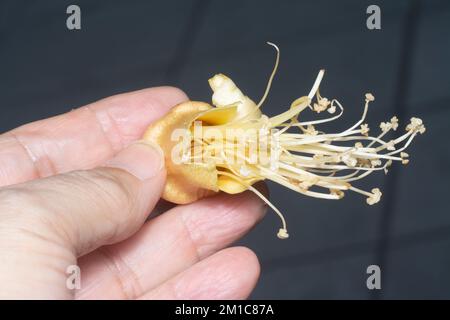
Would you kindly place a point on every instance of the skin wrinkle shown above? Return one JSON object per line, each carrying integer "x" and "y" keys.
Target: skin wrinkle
{"x": 58, "y": 226}
{"x": 183, "y": 235}
{"x": 228, "y": 216}
{"x": 196, "y": 237}
{"x": 113, "y": 128}
{"x": 123, "y": 273}
{"x": 21, "y": 195}
{"x": 58, "y": 221}
{"x": 50, "y": 134}
{"x": 192, "y": 241}
{"x": 130, "y": 200}
{"x": 49, "y": 242}
{"x": 222, "y": 283}
{"x": 150, "y": 102}
{"x": 56, "y": 256}
{"x": 173, "y": 287}
{"x": 96, "y": 182}
{"x": 222, "y": 279}
{"x": 129, "y": 128}
{"x": 31, "y": 157}
{"x": 49, "y": 169}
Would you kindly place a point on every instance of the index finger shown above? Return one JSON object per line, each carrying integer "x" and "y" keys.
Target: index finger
{"x": 82, "y": 138}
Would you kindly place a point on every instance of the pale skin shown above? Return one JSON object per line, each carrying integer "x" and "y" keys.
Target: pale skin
{"x": 76, "y": 189}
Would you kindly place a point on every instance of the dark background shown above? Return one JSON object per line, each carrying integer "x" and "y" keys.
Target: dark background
{"x": 45, "y": 69}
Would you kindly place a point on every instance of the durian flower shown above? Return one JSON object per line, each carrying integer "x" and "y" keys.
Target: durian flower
{"x": 230, "y": 145}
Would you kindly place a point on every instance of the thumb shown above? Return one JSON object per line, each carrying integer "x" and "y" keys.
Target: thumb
{"x": 84, "y": 210}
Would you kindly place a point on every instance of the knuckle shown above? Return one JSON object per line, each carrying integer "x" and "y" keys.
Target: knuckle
{"x": 126, "y": 277}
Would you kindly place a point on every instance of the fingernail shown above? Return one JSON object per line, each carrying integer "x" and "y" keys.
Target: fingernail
{"x": 143, "y": 159}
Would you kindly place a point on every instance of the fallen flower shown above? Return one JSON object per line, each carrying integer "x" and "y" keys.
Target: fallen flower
{"x": 230, "y": 145}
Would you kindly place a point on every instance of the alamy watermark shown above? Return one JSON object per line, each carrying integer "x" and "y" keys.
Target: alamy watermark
{"x": 73, "y": 281}
{"x": 248, "y": 146}
{"x": 373, "y": 21}
{"x": 374, "y": 279}
{"x": 73, "y": 21}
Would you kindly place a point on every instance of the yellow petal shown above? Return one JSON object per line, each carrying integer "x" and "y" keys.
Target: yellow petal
{"x": 218, "y": 116}
{"x": 185, "y": 183}
{"x": 231, "y": 186}
{"x": 226, "y": 93}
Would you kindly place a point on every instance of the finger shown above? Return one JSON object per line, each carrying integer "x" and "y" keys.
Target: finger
{"x": 83, "y": 138}
{"x": 167, "y": 245}
{"x": 83, "y": 210}
{"x": 229, "y": 274}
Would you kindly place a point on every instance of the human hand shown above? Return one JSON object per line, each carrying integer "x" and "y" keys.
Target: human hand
{"x": 77, "y": 191}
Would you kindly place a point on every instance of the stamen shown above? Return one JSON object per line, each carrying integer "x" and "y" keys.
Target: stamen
{"x": 303, "y": 158}
{"x": 272, "y": 75}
